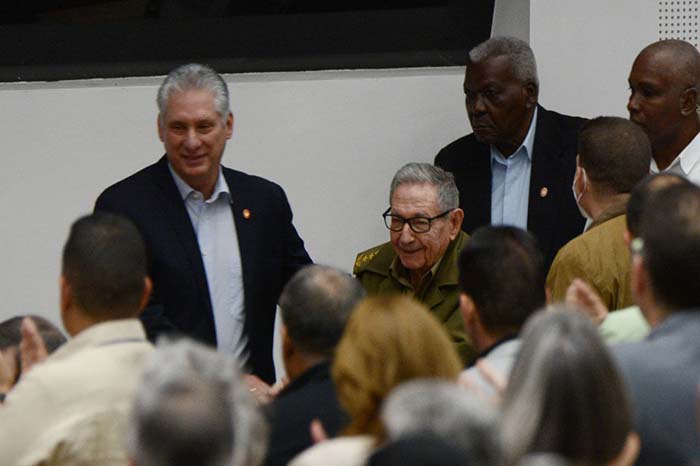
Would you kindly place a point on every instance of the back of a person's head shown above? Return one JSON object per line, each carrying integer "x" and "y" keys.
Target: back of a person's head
{"x": 422, "y": 449}
{"x": 614, "y": 152}
{"x": 388, "y": 340}
{"x": 192, "y": 407}
{"x": 670, "y": 231}
{"x": 444, "y": 409}
{"x": 104, "y": 263}
{"x": 565, "y": 394}
{"x": 315, "y": 306}
{"x": 645, "y": 190}
{"x": 11, "y": 337}
{"x": 502, "y": 270}
{"x": 11, "y": 334}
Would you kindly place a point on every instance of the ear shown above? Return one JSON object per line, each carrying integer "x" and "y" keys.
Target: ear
{"x": 627, "y": 236}
{"x": 689, "y": 101}
{"x": 639, "y": 278}
{"x": 531, "y": 92}
{"x": 287, "y": 345}
{"x": 146, "y": 294}
{"x": 161, "y": 130}
{"x": 467, "y": 308}
{"x": 456, "y": 219}
{"x": 229, "y": 125}
{"x": 66, "y": 294}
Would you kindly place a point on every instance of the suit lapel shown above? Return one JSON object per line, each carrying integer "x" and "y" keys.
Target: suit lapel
{"x": 179, "y": 220}
{"x": 475, "y": 196}
{"x": 243, "y": 208}
{"x": 545, "y": 179}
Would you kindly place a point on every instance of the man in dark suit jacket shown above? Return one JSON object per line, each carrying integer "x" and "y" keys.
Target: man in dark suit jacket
{"x": 315, "y": 307}
{"x": 220, "y": 248}
{"x": 518, "y": 165}
{"x": 662, "y": 370}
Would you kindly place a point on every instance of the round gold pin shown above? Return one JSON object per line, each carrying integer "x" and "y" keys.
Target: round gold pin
{"x": 544, "y": 191}
{"x": 246, "y": 214}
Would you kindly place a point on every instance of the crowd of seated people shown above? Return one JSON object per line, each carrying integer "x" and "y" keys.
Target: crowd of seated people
{"x": 536, "y": 303}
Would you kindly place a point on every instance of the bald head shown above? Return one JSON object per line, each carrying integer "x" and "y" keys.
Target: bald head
{"x": 682, "y": 60}
{"x": 664, "y": 90}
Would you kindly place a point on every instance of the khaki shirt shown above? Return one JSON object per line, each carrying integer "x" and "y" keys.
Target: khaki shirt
{"x": 380, "y": 272}
{"x": 72, "y": 409}
{"x": 599, "y": 257}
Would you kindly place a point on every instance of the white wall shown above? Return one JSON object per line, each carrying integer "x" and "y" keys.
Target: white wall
{"x": 333, "y": 140}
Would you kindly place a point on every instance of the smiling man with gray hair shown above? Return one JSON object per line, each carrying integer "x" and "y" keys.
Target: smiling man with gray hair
{"x": 424, "y": 221}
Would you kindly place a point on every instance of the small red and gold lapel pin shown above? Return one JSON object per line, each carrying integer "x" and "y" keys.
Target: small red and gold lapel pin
{"x": 544, "y": 191}
{"x": 246, "y": 214}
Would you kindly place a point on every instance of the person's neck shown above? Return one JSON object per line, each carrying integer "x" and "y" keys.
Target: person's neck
{"x": 82, "y": 320}
{"x": 600, "y": 204}
{"x": 300, "y": 363}
{"x": 665, "y": 152}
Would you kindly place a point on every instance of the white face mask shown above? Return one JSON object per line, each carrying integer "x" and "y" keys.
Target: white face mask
{"x": 578, "y": 196}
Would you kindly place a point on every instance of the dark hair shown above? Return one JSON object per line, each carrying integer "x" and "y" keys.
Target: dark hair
{"x": 670, "y": 229}
{"x": 315, "y": 306}
{"x": 104, "y": 262}
{"x": 644, "y": 190}
{"x": 614, "y": 152}
{"x": 11, "y": 335}
{"x": 565, "y": 394}
{"x": 502, "y": 270}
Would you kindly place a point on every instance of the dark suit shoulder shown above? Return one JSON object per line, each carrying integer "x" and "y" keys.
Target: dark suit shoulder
{"x": 453, "y": 153}
{"x": 254, "y": 182}
{"x": 567, "y": 125}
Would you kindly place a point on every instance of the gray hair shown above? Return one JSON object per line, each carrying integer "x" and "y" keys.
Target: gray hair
{"x": 425, "y": 173}
{"x": 194, "y": 76}
{"x": 192, "y": 406}
{"x": 565, "y": 394}
{"x": 315, "y": 305}
{"x": 522, "y": 60}
{"x": 444, "y": 409}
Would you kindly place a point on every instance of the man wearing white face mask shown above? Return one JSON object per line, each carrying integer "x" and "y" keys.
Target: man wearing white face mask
{"x": 613, "y": 156}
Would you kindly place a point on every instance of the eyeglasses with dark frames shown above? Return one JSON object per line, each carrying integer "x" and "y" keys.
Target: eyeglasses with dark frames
{"x": 416, "y": 224}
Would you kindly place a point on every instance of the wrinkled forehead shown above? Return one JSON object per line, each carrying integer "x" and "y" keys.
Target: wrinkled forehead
{"x": 412, "y": 199}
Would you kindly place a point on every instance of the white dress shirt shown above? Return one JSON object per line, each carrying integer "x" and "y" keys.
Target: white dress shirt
{"x": 686, "y": 164}
{"x": 212, "y": 220}
{"x": 510, "y": 182}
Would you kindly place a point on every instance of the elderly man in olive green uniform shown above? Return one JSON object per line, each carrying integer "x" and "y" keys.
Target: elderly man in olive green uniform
{"x": 424, "y": 220}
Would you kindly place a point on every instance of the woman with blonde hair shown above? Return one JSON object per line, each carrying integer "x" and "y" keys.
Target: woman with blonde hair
{"x": 388, "y": 340}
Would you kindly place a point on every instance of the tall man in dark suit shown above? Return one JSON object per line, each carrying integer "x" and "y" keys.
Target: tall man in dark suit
{"x": 662, "y": 370}
{"x": 221, "y": 243}
{"x": 518, "y": 165}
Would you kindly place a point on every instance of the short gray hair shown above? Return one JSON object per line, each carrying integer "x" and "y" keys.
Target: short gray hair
{"x": 194, "y": 76}
{"x": 425, "y": 173}
{"x": 192, "y": 406}
{"x": 444, "y": 409}
{"x": 522, "y": 60}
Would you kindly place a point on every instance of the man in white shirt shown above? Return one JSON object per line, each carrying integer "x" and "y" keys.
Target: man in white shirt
{"x": 664, "y": 91}
{"x": 71, "y": 409}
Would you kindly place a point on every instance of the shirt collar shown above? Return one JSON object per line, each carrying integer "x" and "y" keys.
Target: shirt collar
{"x": 186, "y": 190}
{"x": 687, "y": 159}
{"x": 527, "y": 145}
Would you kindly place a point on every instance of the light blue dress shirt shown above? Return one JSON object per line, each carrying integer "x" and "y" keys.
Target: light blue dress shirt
{"x": 510, "y": 182}
{"x": 213, "y": 224}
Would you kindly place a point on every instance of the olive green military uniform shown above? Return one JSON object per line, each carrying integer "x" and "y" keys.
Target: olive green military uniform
{"x": 600, "y": 257}
{"x": 380, "y": 272}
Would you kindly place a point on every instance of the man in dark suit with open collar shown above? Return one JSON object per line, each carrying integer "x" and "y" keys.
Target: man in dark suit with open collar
{"x": 220, "y": 248}
{"x": 518, "y": 165}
